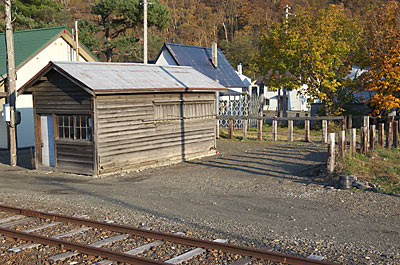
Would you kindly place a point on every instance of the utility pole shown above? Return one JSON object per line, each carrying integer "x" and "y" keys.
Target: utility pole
{"x": 11, "y": 83}
{"x": 76, "y": 41}
{"x": 145, "y": 32}
{"x": 284, "y": 90}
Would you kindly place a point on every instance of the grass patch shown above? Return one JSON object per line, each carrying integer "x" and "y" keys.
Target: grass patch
{"x": 380, "y": 167}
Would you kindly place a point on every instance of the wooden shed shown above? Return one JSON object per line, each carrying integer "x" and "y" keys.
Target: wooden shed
{"x": 94, "y": 118}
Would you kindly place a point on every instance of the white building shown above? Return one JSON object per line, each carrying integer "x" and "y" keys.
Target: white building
{"x": 296, "y": 104}
{"x": 33, "y": 51}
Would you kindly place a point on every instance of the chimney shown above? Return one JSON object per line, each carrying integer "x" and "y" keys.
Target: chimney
{"x": 239, "y": 69}
{"x": 215, "y": 54}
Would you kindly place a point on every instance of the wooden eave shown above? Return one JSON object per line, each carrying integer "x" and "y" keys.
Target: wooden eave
{"x": 27, "y": 87}
{"x": 152, "y": 90}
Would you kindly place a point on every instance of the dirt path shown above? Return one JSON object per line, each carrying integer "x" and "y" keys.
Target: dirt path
{"x": 253, "y": 193}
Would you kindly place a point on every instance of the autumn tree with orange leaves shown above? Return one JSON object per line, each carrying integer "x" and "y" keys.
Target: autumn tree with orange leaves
{"x": 382, "y": 50}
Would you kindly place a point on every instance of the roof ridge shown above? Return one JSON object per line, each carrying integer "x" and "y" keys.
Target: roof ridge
{"x": 187, "y": 45}
{"x": 120, "y": 63}
{"x": 40, "y": 29}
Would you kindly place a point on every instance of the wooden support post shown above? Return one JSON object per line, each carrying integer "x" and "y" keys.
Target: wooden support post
{"x": 366, "y": 124}
{"x": 307, "y": 130}
{"x": 396, "y": 134}
{"x": 274, "y": 130}
{"x": 342, "y": 143}
{"x": 324, "y": 131}
{"x": 372, "y": 136}
{"x": 216, "y": 114}
{"x": 11, "y": 82}
{"x": 350, "y": 122}
{"x": 331, "y": 154}
{"x": 381, "y": 134}
{"x": 353, "y": 140}
{"x": 343, "y": 123}
{"x": 245, "y": 122}
{"x": 230, "y": 129}
{"x": 259, "y": 130}
{"x": 389, "y": 135}
{"x": 290, "y": 131}
{"x": 364, "y": 140}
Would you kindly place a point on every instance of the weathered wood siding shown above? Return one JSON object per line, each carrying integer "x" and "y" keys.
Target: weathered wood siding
{"x": 59, "y": 96}
{"x": 142, "y": 129}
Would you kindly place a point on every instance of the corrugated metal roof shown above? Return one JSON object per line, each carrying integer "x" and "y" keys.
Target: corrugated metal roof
{"x": 109, "y": 77}
{"x": 200, "y": 58}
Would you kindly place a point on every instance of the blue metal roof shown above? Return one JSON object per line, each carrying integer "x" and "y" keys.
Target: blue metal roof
{"x": 200, "y": 58}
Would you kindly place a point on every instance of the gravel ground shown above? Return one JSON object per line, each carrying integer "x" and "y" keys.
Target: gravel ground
{"x": 265, "y": 195}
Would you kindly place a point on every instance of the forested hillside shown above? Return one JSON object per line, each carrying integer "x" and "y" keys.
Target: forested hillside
{"x": 317, "y": 44}
{"x": 235, "y": 24}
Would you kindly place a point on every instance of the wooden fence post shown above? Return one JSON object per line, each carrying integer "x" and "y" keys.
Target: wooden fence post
{"x": 344, "y": 123}
{"x": 350, "y": 122}
{"x": 259, "y": 129}
{"x": 389, "y": 135}
{"x": 217, "y": 129}
{"x": 324, "y": 131}
{"x": 274, "y": 130}
{"x": 372, "y": 136}
{"x": 230, "y": 129}
{"x": 245, "y": 129}
{"x": 364, "y": 140}
{"x": 353, "y": 140}
{"x": 290, "y": 131}
{"x": 342, "y": 143}
{"x": 396, "y": 134}
{"x": 307, "y": 130}
{"x": 331, "y": 154}
{"x": 381, "y": 134}
{"x": 366, "y": 124}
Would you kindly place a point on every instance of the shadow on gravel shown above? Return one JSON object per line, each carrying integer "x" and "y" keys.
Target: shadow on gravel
{"x": 296, "y": 163}
{"x": 68, "y": 189}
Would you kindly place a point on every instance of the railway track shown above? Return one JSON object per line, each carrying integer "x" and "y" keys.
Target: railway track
{"x": 130, "y": 244}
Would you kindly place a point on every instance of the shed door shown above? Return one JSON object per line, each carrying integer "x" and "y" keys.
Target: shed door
{"x": 46, "y": 122}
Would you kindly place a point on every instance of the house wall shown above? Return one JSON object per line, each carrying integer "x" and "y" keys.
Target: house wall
{"x": 295, "y": 102}
{"x": 58, "y": 50}
{"x": 165, "y": 58}
{"x": 143, "y": 129}
{"x": 60, "y": 97}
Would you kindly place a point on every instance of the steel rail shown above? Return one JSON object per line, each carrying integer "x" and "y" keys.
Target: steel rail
{"x": 81, "y": 248}
{"x": 244, "y": 251}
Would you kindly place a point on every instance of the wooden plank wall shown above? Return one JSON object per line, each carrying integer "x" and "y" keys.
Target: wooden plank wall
{"x": 59, "y": 96}
{"x": 143, "y": 128}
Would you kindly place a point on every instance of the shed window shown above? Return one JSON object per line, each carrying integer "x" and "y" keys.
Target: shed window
{"x": 176, "y": 109}
{"x": 77, "y": 127}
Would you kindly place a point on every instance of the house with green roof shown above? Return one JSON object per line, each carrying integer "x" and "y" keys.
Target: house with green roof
{"x": 33, "y": 51}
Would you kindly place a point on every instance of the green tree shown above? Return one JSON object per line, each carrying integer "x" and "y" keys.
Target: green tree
{"x": 32, "y": 14}
{"x": 117, "y": 25}
{"x": 312, "y": 50}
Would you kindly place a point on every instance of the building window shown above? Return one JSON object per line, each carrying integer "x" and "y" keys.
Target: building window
{"x": 76, "y": 127}
{"x": 178, "y": 109}
{"x": 267, "y": 101}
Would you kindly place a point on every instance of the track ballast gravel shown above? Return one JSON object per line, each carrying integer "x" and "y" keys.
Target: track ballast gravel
{"x": 266, "y": 195}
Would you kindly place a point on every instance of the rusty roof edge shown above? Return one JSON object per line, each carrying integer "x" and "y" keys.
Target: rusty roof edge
{"x": 35, "y": 78}
{"x": 145, "y": 90}
{"x": 73, "y": 79}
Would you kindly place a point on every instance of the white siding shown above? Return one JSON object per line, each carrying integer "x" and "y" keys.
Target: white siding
{"x": 165, "y": 58}
{"x": 58, "y": 50}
